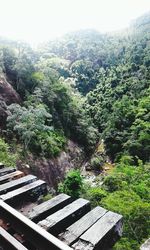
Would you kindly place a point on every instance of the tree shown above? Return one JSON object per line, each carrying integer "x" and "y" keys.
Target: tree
{"x": 33, "y": 126}
{"x": 83, "y": 72}
{"x": 139, "y": 140}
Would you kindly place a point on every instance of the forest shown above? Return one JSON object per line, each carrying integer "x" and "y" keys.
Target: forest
{"x": 90, "y": 88}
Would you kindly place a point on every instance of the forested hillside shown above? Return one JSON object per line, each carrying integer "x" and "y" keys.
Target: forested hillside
{"x": 112, "y": 71}
{"x": 89, "y": 88}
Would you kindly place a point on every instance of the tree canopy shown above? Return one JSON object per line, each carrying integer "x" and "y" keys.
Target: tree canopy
{"x": 90, "y": 88}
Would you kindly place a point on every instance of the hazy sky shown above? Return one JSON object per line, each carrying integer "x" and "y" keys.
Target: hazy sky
{"x": 38, "y": 20}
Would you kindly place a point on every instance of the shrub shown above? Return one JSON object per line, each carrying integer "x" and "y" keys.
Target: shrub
{"x": 115, "y": 182}
{"x": 126, "y": 160}
{"x": 125, "y": 244}
{"x": 48, "y": 144}
{"x": 97, "y": 162}
{"x": 72, "y": 184}
{"x": 6, "y": 156}
{"x": 95, "y": 195}
{"x": 136, "y": 213}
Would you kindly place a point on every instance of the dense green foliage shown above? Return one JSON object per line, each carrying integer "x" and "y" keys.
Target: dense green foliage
{"x": 30, "y": 125}
{"x": 128, "y": 194}
{"x": 72, "y": 184}
{"x": 88, "y": 87}
{"x": 51, "y": 111}
{"x": 6, "y": 156}
{"x": 112, "y": 71}
{"x": 126, "y": 191}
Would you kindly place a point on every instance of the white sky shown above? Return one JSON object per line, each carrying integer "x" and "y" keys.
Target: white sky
{"x": 39, "y": 20}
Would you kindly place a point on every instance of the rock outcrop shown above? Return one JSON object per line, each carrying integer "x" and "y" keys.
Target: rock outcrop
{"x": 53, "y": 170}
{"x": 7, "y": 96}
{"x": 146, "y": 245}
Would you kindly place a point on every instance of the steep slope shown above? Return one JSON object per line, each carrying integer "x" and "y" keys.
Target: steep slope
{"x": 53, "y": 170}
{"x": 7, "y": 96}
{"x": 7, "y": 92}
